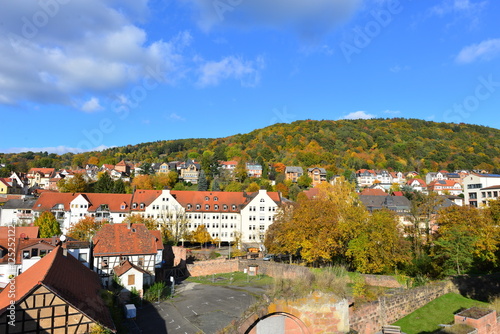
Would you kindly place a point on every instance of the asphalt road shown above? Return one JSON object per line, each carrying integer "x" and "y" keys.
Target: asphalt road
{"x": 196, "y": 308}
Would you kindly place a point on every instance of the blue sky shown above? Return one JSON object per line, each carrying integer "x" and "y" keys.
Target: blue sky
{"x": 79, "y": 75}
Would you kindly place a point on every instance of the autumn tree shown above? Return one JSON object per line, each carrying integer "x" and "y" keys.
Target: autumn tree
{"x": 201, "y": 235}
{"x": 48, "y": 225}
{"x": 75, "y": 184}
{"x": 478, "y": 229}
{"x": 379, "y": 246}
{"x": 143, "y": 182}
{"x": 240, "y": 172}
{"x": 252, "y": 187}
{"x": 151, "y": 223}
{"x": 85, "y": 228}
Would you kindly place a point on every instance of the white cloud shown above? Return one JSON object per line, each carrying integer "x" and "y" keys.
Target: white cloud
{"x": 307, "y": 17}
{"x": 461, "y": 9}
{"x": 173, "y": 116}
{"x": 231, "y": 67}
{"x": 58, "y": 54}
{"x": 358, "y": 115}
{"x": 92, "y": 105}
{"x": 55, "y": 149}
{"x": 485, "y": 50}
{"x": 392, "y": 112}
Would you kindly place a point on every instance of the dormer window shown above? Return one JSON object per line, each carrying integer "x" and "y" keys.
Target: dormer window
{"x": 224, "y": 207}
{"x": 216, "y": 198}
{"x": 216, "y": 207}
{"x": 233, "y": 207}
{"x": 207, "y": 207}
{"x": 207, "y": 198}
{"x": 198, "y": 207}
{"x": 142, "y": 205}
{"x": 189, "y": 206}
{"x": 134, "y": 206}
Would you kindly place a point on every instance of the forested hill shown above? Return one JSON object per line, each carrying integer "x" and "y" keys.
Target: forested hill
{"x": 399, "y": 144}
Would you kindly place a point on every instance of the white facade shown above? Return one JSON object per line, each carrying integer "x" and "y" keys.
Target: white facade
{"x": 256, "y": 217}
{"x": 475, "y": 193}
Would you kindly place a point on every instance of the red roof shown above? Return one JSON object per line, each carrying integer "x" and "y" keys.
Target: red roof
{"x": 373, "y": 192}
{"x": 19, "y": 231}
{"x": 66, "y": 277}
{"x": 115, "y": 202}
{"x": 397, "y": 193}
{"x": 122, "y": 239}
{"x": 420, "y": 181}
{"x": 44, "y": 171}
{"x": 216, "y": 200}
{"x": 126, "y": 266}
{"x": 144, "y": 196}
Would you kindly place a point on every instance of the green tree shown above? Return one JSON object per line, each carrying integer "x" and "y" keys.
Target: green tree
{"x": 48, "y": 225}
{"x": 202, "y": 181}
{"x": 119, "y": 187}
{"x": 454, "y": 251}
{"x": 252, "y": 187}
{"x": 240, "y": 172}
{"x": 233, "y": 187}
{"x": 304, "y": 181}
{"x": 104, "y": 184}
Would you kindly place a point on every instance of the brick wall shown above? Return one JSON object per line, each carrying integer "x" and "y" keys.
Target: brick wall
{"x": 369, "y": 318}
{"x": 202, "y": 268}
{"x": 381, "y": 280}
{"x": 274, "y": 269}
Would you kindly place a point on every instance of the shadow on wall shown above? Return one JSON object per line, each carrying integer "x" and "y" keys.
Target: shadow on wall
{"x": 478, "y": 287}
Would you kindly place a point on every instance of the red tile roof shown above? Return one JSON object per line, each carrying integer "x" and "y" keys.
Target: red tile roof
{"x": 66, "y": 277}
{"x": 47, "y": 201}
{"x": 19, "y": 231}
{"x": 119, "y": 239}
{"x": 212, "y": 199}
{"x": 126, "y": 266}
{"x": 144, "y": 196}
{"x": 373, "y": 192}
{"x": 44, "y": 171}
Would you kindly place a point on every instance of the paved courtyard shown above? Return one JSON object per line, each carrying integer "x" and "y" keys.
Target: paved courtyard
{"x": 196, "y": 308}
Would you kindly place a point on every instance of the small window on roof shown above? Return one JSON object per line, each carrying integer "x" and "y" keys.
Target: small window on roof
{"x": 198, "y": 207}
{"x": 189, "y": 206}
{"x": 233, "y": 207}
{"x": 216, "y": 198}
{"x": 224, "y": 207}
{"x": 134, "y": 205}
{"x": 142, "y": 205}
{"x": 207, "y": 198}
{"x": 207, "y": 207}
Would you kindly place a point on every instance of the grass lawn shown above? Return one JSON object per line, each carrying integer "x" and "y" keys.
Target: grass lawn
{"x": 235, "y": 279}
{"x": 440, "y": 311}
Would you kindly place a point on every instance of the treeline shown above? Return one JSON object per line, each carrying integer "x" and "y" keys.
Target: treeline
{"x": 397, "y": 144}
{"x": 335, "y": 228}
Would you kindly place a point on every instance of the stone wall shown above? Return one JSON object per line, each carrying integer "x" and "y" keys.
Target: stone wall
{"x": 369, "y": 318}
{"x": 317, "y": 313}
{"x": 382, "y": 280}
{"x": 274, "y": 269}
{"x": 219, "y": 266}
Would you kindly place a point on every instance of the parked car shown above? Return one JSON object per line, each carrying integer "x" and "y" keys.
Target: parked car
{"x": 268, "y": 257}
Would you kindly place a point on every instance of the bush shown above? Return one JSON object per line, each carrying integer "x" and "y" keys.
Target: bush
{"x": 332, "y": 279}
{"x": 495, "y": 304}
{"x": 157, "y": 291}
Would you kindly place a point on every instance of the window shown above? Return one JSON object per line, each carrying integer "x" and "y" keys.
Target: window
{"x": 189, "y": 206}
{"x": 207, "y": 198}
{"x": 134, "y": 205}
{"x": 82, "y": 257}
{"x": 233, "y": 207}
{"x": 262, "y": 200}
{"x": 207, "y": 207}
{"x": 43, "y": 252}
{"x": 140, "y": 262}
{"x": 262, "y": 208}
{"x": 34, "y": 252}
{"x": 224, "y": 207}
{"x": 104, "y": 263}
{"x": 131, "y": 279}
{"x": 198, "y": 207}
{"x": 26, "y": 254}
{"x": 142, "y": 205}
{"x": 216, "y": 207}
{"x": 216, "y": 198}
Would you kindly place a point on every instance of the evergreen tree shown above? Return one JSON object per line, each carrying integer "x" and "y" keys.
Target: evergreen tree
{"x": 202, "y": 181}
{"x": 119, "y": 187}
{"x": 104, "y": 184}
{"x": 216, "y": 185}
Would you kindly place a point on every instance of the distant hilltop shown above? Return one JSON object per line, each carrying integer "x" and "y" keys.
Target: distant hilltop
{"x": 339, "y": 146}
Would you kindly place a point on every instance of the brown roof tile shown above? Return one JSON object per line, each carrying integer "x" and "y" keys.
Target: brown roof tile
{"x": 126, "y": 266}
{"x": 69, "y": 279}
{"x": 119, "y": 239}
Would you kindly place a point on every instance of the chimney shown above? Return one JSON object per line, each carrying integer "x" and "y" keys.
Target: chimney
{"x": 129, "y": 225}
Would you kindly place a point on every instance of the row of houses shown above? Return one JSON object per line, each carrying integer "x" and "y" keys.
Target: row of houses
{"x": 224, "y": 214}
{"x": 53, "y": 285}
